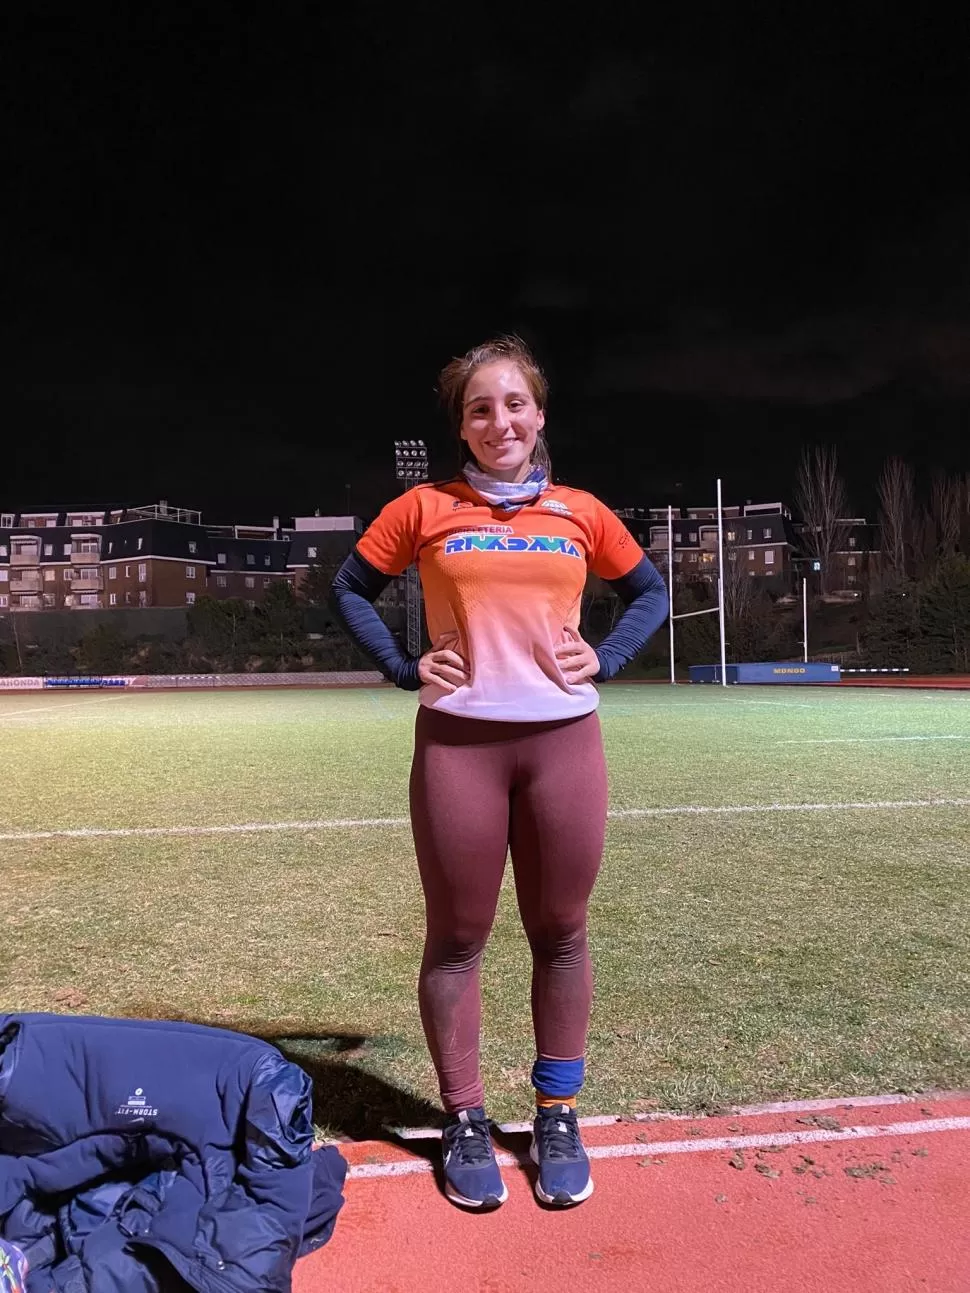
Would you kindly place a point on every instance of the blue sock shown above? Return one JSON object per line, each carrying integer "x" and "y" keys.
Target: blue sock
{"x": 558, "y": 1079}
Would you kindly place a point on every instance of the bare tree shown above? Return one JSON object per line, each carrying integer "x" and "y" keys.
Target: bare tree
{"x": 740, "y": 592}
{"x": 946, "y": 507}
{"x": 820, "y": 496}
{"x": 897, "y": 515}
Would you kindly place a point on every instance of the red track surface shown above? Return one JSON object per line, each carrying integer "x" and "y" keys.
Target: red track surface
{"x": 883, "y": 1208}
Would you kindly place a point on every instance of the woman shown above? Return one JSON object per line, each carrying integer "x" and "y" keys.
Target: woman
{"x": 508, "y": 753}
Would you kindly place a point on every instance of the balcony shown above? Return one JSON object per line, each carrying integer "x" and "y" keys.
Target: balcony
{"x": 86, "y": 580}
{"x": 27, "y": 583}
{"x": 26, "y": 555}
{"x": 85, "y": 554}
{"x": 83, "y": 601}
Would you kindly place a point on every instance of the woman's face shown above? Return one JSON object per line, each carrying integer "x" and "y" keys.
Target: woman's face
{"x": 500, "y": 421}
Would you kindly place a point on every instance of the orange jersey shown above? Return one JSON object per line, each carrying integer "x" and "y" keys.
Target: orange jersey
{"x": 506, "y": 585}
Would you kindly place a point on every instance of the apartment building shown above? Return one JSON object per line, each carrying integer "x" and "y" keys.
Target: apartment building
{"x": 157, "y": 555}
{"x": 759, "y": 539}
{"x": 853, "y": 563}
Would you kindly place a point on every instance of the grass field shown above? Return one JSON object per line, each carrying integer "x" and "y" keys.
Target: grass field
{"x": 755, "y": 953}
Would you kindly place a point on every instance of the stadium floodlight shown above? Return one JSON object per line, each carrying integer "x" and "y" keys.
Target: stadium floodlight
{"x": 411, "y": 467}
{"x": 410, "y": 461}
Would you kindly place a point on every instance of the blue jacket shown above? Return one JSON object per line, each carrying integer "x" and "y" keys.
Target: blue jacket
{"x": 150, "y": 1157}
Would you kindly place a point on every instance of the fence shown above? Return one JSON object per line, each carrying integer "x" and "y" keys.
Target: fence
{"x": 193, "y": 681}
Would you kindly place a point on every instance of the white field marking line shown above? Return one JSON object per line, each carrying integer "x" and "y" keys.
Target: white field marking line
{"x": 646, "y": 1149}
{"x": 868, "y": 740}
{"x": 817, "y": 1105}
{"x": 700, "y": 810}
{"x": 342, "y": 823}
{"x": 66, "y": 704}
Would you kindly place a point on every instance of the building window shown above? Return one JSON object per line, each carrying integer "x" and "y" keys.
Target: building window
{"x": 127, "y": 599}
{"x": 112, "y": 599}
{"x": 311, "y": 553}
{"x": 692, "y": 558}
{"x": 678, "y": 556}
{"x": 4, "y": 576}
{"x": 3, "y": 550}
{"x": 221, "y": 581}
{"x": 68, "y": 575}
{"x": 751, "y": 554}
{"x": 750, "y": 535}
{"x": 267, "y": 582}
{"x": 127, "y": 572}
{"x": 250, "y": 559}
{"x": 50, "y": 576}
{"x": 111, "y": 545}
{"x": 141, "y": 543}
{"x": 190, "y": 572}
{"x": 251, "y": 604}
{"x": 852, "y": 579}
{"x": 851, "y": 561}
{"x": 4, "y": 599}
{"x": 67, "y": 549}
{"x": 692, "y": 536}
{"x": 48, "y": 549}
{"x": 221, "y": 558}
{"x": 766, "y": 532}
{"x": 48, "y": 600}
{"x": 733, "y": 555}
{"x": 190, "y": 599}
{"x": 193, "y": 546}
{"x": 752, "y": 573}
{"x": 267, "y": 560}
{"x": 142, "y": 597}
{"x": 6, "y": 520}
{"x": 770, "y": 557}
{"x": 731, "y": 536}
{"x": 142, "y": 572}
{"x": 112, "y": 572}
{"x": 250, "y": 581}
{"x": 852, "y": 541}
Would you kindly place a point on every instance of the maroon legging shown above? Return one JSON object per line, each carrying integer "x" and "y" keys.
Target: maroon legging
{"x": 478, "y": 790}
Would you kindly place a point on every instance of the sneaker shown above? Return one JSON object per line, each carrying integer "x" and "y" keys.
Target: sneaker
{"x": 472, "y": 1178}
{"x": 557, "y": 1151}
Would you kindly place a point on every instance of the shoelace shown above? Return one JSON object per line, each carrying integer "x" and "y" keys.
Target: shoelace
{"x": 470, "y": 1142}
{"x": 560, "y": 1136}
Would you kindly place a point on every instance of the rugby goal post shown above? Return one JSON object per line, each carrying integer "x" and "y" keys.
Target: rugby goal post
{"x": 717, "y": 610}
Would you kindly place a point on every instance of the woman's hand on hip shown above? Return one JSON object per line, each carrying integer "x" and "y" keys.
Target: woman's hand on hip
{"x": 577, "y": 659}
{"x": 442, "y": 666}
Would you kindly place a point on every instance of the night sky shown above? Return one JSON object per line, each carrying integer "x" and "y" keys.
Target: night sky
{"x": 236, "y": 253}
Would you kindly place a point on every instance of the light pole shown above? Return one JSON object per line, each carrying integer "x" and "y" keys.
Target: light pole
{"x": 411, "y": 466}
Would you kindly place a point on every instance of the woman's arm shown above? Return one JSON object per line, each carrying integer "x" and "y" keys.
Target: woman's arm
{"x": 356, "y": 587}
{"x": 643, "y": 593}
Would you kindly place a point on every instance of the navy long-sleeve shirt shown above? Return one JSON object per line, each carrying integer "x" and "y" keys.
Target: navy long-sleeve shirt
{"x": 358, "y": 585}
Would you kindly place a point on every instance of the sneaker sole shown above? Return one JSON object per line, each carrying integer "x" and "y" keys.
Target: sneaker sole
{"x": 558, "y": 1200}
{"x": 488, "y": 1204}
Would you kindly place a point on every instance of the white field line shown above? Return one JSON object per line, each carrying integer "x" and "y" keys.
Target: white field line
{"x": 868, "y": 740}
{"x": 818, "y": 1105}
{"x": 354, "y": 823}
{"x": 649, "y": 1149}
{"x": 62, "y": 704}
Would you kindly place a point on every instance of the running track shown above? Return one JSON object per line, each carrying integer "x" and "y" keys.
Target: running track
{"x": 825, "y": 1197}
